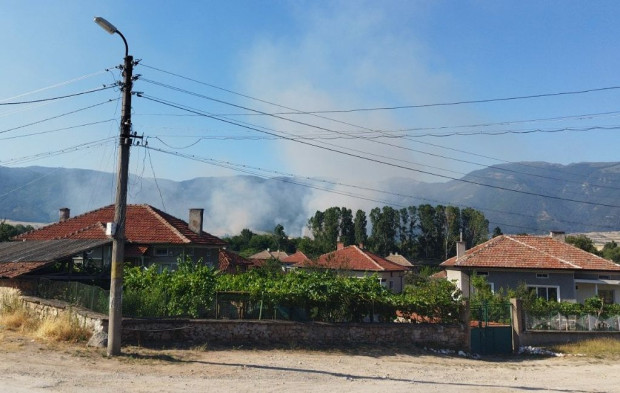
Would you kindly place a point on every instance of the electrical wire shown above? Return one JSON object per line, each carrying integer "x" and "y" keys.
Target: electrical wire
{"x": 58, "y": 129}
{"x": 58, "y": 116}
{"x": 56, "y": 85}
{"x": 81, "y": 146}
{"x": 163, "y": 102}
{"x": 57, "y": 97}
{"x": 340, "y": 132}
{"x": 296, "y": 111}
{"x": 294, "y": 179}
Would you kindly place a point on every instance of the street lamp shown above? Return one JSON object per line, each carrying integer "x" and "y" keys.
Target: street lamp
{"x": 120, "y": 206}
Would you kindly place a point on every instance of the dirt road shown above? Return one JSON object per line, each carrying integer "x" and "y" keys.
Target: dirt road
{"x": 30, "y": 366}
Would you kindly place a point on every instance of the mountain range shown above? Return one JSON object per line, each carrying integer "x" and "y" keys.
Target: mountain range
{"x": 526, "y": 197}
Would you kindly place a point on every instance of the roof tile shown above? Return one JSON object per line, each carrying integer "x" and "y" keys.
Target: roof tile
{"x": 530, "y": 252}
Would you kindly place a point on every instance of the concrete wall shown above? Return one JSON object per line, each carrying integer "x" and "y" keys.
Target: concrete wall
{"x": 168, "y": 332}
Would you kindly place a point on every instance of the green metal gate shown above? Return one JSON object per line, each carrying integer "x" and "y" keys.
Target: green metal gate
{"x": 491, "y": 328}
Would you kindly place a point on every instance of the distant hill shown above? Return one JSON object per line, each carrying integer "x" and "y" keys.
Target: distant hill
{"x": 34, "y": 194}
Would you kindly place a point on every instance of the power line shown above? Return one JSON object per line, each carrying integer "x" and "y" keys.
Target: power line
{"x": 55, "y": 85}
{"x": 512, "y": 98}
{"x": 57, "y": 129}
{"x": 340, "y": 132}
{"x": 57, "y": 97}
{"x": 294, "y": 179}
{"x": 378, "y": 161}
{"x": 81, "y": 146}
{"x": 57, "y": 116}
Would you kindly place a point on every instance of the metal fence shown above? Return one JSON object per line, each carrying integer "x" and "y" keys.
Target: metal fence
{"x": 559, "y": 322}
{"x": 88, "y": 296}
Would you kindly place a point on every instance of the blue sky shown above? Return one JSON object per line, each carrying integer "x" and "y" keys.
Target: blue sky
{"x": 313, "y": 56}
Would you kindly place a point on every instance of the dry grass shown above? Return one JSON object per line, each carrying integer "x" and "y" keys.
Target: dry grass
{"x": 65, "y": 328}
{"x": 14, "y": 316}
{"x": 604, "y": 348}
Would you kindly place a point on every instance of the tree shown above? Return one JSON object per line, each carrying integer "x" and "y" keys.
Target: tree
{"x": 428, "y": 232}
{"x": 452, "y": 230}
{"x": 281, "y": 239}
{"x": 359, "y": 227}
{"x": 611, "y": 251}
{"x": 7, "y": 231}
{"x": 325, "y": 228}
{"x": 497, "y": 232}
{"x": 347, "y": 228}
{"x": 475, "y": 227}
{"x": 583, "y": 242}
{"x": 385, "y": 224}
{"x": 407, "y": 232}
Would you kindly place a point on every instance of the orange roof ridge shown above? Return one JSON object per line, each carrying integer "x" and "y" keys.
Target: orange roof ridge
{"x": 365, "y": 253}
{"x": 158, "y": 215}
{"x": 545, "y": 252}
{"x": 84, "y": 229}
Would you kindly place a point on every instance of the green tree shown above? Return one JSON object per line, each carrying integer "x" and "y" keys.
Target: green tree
{"x": 359, "y": 224}
{"x": 407, "y": 232}
{"x": 347, "y": 228}
{"x": 583, "y": 242}
{"x": 7, "y": 231}
{"x": 611, "y": 251}
{"x": 452, "y": 230}
{"x": 325, "y": 228}
{"x": 427, "y": 239}
{"x": 475, "y": 227}
{"x": 385, "y": 224}
{"x": 497, "y": 231}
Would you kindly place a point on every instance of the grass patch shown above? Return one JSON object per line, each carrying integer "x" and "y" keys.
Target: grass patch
{"x": 598, "y": 348}
{"x": 65, "y": 328}
{"x": 16, "y": 317}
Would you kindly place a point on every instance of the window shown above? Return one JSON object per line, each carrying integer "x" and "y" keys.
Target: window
{"x": 547, "y": 293}
{"x": 161, "y": 251}
{"x": 607, "y": 295}
{"x": 542, "y": 275}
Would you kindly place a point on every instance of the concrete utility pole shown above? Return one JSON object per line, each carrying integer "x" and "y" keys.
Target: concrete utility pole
{"x": 120, "y": 206}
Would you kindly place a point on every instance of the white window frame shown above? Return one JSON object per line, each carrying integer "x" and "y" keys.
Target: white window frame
{"x": 557, "y": 287}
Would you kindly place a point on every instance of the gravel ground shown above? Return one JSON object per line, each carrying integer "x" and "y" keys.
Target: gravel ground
{"x": 27, "y": 365}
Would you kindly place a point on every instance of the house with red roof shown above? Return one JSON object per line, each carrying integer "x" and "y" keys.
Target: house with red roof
{"x": 545, "y": 264}
{"x": 358, "y": 262}
{"x": 294, "y": 259}
{"x": 152, "y": 237}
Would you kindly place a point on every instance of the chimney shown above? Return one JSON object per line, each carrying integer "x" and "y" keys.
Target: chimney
{"x": 558, "y": 235}
{"x": 63, "y": 214}
{"x": 195, "y": 220}
{"x": 361, "y": 246}
{"x": 339, "y": 246}
{"x": 460, "y": 247}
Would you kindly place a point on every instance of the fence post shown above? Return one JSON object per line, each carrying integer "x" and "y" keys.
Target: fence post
{"x": 518, "y": 325}
{"x": 465, "y": 319}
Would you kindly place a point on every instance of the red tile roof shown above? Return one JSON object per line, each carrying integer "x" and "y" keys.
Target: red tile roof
{"x": 230, "y": 262}
{"x": 298, "y": 257}
{"x": 144, "y": 225}
{"x": 354, "y": 258}
{"x": 530, "y": 252}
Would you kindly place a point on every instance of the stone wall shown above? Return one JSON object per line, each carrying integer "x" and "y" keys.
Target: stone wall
{"x": 167, "y": 332}
{"x": 314, "y": 334}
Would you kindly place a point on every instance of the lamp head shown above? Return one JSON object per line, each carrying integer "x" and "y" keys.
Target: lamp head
{"x": 105, "y": 25}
